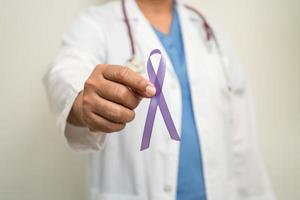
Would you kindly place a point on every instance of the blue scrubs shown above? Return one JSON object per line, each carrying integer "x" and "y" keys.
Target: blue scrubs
{"x": 190, "y": 175}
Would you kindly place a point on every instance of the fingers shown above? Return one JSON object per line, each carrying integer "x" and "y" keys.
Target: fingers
{"x": 110, "y": 96}
{"x": 100, "y": 114}
{"x": 126, "y": 76}
{"x": 98, "y": 123}
{"x": 118, "y": 93}
{"x": 112, "y": 111}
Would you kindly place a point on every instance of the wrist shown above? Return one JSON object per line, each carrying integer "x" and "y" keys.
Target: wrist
{"x": 75, "y": 115}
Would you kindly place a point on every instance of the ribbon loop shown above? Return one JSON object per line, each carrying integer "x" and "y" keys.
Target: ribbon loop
{"x": 157, "y": 101}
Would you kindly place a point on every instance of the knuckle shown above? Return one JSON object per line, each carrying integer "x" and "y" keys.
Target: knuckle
{"x": 121, "y": 93}
{"x": 141, "y": 81}
{"x": 123, "y": 73}
{"x": 93, "y": 82}
{"x": 116, "y": 113}
{"x": 86, "y": 101}
{"x": 89, "y": 84}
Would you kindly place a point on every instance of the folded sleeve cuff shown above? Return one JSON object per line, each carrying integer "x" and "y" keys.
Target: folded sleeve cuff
{"x": 80, "y": 139}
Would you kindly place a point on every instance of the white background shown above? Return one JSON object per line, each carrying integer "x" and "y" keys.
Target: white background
{"x": 35, "y": 162}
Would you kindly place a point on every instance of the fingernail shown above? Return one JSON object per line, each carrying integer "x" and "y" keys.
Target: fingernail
{"x": 150, "y": 90}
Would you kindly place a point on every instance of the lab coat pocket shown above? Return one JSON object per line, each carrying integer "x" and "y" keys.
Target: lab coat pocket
{"x": 117, "y": 197}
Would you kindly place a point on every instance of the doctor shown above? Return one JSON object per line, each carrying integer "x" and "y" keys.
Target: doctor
{"x": 99, "y": 91}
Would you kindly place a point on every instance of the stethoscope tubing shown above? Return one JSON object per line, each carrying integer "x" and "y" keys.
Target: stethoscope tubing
{"x": 129, "y": 30}
{"x": 210, "y": 35}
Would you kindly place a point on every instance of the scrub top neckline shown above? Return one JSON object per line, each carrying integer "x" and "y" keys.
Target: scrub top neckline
{"x": 171, "y": 29}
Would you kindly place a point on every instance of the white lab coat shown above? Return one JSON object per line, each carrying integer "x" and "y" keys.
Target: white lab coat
{"x": 118, "y": 170}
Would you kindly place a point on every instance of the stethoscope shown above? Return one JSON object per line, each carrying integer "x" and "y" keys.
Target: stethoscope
{"x": 210, "y": 37}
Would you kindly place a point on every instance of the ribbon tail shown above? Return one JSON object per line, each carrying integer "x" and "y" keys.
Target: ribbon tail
{"x": 149, "y": 123}
{"x": 168, "y": 119}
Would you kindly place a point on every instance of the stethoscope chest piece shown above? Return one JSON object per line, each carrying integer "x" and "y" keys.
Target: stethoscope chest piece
{"x": 135, "y": 65}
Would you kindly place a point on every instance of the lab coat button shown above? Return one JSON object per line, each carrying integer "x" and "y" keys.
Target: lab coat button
{"x": 168, "y": 188}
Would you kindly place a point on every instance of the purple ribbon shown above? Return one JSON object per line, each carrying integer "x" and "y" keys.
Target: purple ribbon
{"x": 157, "y": 101}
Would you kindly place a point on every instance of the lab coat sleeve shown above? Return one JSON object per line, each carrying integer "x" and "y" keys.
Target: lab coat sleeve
{"x": 253, "y": 182}
{"x": 83, "y": 47}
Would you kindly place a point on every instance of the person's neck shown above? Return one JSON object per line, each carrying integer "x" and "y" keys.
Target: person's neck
{"x": 158, "y": 13}
{"x": 156, "y": 6}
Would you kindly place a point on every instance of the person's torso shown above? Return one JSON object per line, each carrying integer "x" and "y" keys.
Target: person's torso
{"x": 121, "y": 171}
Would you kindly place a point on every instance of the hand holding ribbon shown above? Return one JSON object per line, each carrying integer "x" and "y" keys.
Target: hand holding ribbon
{"x": 157, "y": 101}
